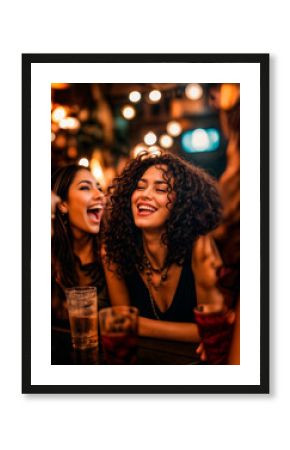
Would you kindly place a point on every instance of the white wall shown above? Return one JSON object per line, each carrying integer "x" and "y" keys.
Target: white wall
{"x": 220, "y": 422}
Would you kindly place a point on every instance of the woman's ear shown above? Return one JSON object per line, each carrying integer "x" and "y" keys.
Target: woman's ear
{"x": 62, "y": 206}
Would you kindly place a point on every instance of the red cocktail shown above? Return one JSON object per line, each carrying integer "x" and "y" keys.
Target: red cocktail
{"x": 119, "y": 332}
{"x": 215, "y": 329}
{"x": 119, "y": 348}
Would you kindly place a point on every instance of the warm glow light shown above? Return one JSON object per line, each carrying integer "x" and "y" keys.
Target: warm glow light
{"x": 52, "y": 137}
{"x": 128, "y": 112}
{"x": 155, "y": 96}
{"x": 72, "y": 152}
{"x": 59, "y": 85}
{"x": 139, "y": 148}
{"x": 69, "y": 123}
{"x": 84, "y": 162}
{"x": 174, "y": 128}
{"x": 230, "y": 94}
{"x": 193, "y": 91}
{"x": 84, "y": 115}
{"x": 98, "y": 172}
{"x": 54, "y": 127}
{"x": 200, "y": 139}
{"x": 60, "y": 141}
{"x": 166, "y": 141}
{"x": 58, "y": 114}
{"x": 150, "y": 138}
{"x": 154, "y": 150}
{"x": 134, "y": 96}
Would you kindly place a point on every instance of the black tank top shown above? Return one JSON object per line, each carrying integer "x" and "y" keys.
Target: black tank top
{"x": 181, "y": 308}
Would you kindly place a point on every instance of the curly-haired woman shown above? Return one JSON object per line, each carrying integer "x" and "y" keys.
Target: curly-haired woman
{"x": 75, "y": 242}
{"x": 156, "y": 254}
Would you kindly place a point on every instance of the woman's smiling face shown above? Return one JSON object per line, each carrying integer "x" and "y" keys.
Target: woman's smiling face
{"x": 152, "y": 199}
{"x": 84, "y": 205}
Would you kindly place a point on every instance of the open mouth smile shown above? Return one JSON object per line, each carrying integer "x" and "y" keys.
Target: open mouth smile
{"x": 95, "y": 213}
{"x": 144, "y": 209}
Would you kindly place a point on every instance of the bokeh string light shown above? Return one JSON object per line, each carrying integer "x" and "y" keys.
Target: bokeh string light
{"x": 150, "y": 138}
{"x": 166, "y": 141}
{"x": 193, "y": 91}
{"x": 84, "y": 162}
{"x": 135, "y": 96}
{"x": 155, "y": 96}
{"x": 174, "y": 128}
{"x": 128, "y": 112}
{"x": 171, "y": 116}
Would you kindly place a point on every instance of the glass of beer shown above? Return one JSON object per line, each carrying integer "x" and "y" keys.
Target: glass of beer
{"x": 119, "y": 334}
{"x": 83, "y": 317}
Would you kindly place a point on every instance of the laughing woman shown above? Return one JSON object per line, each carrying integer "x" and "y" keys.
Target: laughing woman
{"x": 156, "y": 254}
{"x": 75, "y": 243}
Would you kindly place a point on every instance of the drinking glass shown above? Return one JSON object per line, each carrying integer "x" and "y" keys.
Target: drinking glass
{"x": 83, "y": 316}
{"x": 215, "y": 328}
{"x": 119, "y": 334}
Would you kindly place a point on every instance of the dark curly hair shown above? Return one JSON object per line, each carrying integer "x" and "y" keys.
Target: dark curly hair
{"x": 195, "y": 212}
{"x": 64, "y": 261}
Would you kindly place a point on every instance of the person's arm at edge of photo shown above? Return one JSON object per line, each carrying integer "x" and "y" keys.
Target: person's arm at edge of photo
{"x": 234, "y": 355}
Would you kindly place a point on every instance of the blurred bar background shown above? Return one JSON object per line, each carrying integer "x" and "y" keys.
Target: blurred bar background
{"x": 101, "y": 126}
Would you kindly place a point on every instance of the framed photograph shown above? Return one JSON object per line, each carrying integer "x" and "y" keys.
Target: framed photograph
{"x": 103, "y": 113}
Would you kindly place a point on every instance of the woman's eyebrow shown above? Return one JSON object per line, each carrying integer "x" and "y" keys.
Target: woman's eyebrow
{"x": 144, "y": 180}
{"x": 160, "y": 182}
{"x": 85, "y": 181}
{"x": 91, "y": 183}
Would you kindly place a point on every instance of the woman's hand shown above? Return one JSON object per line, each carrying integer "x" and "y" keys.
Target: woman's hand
{"x": 201, "y": 352}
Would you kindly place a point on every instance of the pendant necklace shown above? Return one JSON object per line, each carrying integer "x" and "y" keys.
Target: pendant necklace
{"x": 148, "y": 274}
{"x": 163, "y": 272}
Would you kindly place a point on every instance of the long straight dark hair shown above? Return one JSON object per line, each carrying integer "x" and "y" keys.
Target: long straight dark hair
{"x": 64, "y": 261}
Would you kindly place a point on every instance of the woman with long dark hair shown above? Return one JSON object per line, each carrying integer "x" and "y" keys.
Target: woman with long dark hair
{"x": 157, "y": 255}
{"x": 75, "y": 242}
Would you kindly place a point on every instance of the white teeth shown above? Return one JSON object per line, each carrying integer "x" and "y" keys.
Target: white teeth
{"x": 146, "y": 208}
{"x": 96, "y": 208}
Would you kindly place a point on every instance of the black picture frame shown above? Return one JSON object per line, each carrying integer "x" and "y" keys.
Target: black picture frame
{"x": 263, "y": 61}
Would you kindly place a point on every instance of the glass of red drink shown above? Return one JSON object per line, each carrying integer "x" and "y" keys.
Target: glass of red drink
{"x": 215, "y": 326}
{"x": 119, "y": 334}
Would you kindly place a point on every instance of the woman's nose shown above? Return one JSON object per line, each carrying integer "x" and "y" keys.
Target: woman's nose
{"x": 147, "y": 192}
{"x": 98, "y": 194}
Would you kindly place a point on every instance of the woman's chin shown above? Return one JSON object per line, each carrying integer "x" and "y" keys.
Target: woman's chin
{"x": 97, "y": 229}
{"x": 142, "y": 222}
{"x": 149, "y": 226}
{"x": 94, "y": 229}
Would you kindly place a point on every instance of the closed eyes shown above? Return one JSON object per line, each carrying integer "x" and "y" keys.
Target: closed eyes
{"x": 87, "y": 186}
{"x": 158, "y": 189}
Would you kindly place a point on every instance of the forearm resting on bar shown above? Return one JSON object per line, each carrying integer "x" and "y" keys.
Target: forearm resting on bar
{"x": 175, "y": 331}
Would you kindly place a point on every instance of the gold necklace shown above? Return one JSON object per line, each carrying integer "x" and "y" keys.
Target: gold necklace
{"x": 152, "y": 301}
